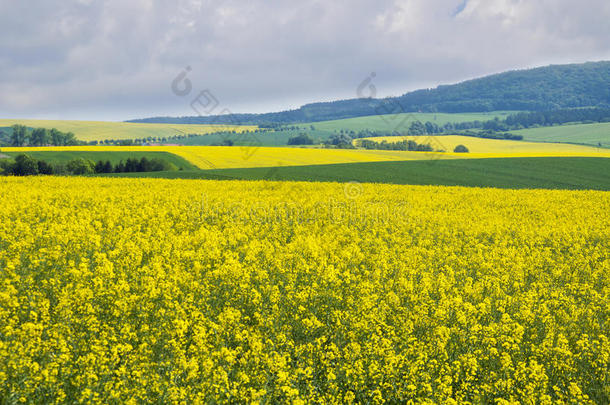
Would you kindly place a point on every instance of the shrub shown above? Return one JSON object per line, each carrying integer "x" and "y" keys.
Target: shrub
{"x": 144, "y": 165}
{"x": 45, "y": 168}
{"x": 160, "y": 165}
{"x": 341, "y": 141}
{"x": 131, "y": 165}
{"x": 301, "y": 139}
{"x": 461, "y": 149}
{"x": 6, "y": 166}
{"x": 81, "y": 166}
{"x": 99, "y": 167}
{"x": 25, "y": 166}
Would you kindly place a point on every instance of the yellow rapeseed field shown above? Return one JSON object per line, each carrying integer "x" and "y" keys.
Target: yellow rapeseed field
{"x": 495, "y": 146}
{"x": 103, "y": 130}
{"x": 176, "y": 291}
{"x": 223, "y": 157}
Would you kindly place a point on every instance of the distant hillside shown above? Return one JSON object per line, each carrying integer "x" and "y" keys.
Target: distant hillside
{"x": 545, "y": 88}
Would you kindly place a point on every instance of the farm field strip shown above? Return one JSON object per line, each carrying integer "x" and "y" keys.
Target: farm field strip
{"x": 574, "y": 173}
{"x": 212, "y": 157}
{"x": 401, "y": 122}
{"x": 222, "y": 157}
{"x": 496, "y": 146}
{"x": 102, "y": 130}
{"x": 591, "y": 134}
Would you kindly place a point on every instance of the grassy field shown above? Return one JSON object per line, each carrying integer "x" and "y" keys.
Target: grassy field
{"x": 102, "y": 130}
{"x": 517, "y": 173}
{"x": 483, "y": 145}
{"x": 401, "y": 122}
{"x": 590, "y": 134}
{"x": 113, "y": 157}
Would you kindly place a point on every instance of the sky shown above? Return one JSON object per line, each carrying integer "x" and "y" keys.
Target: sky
{"x": 117, "y": 60}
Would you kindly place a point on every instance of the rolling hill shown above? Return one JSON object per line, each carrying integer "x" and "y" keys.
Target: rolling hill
{"x": 589, "y": 134}
{"x": 544, "y": 88}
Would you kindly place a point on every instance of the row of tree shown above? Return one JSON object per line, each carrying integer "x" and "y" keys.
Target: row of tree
{"x": 21, "y": 136}
{"x": 279, "y": 127}
{"x": 344, "y": 139}
{"x": 489, "y": 134}
{"x": 133, "y": 165}
{"x": 418, "y": 128}
{"x": 406, "y": 145}
{"x": 167, "y": 139}
{"x": 557, "y": 117}
{"x": 25, "y": 165}
{"x": 533, "y": 119}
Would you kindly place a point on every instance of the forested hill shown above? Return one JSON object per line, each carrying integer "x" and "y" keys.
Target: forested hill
{"x": 545, "y": 88}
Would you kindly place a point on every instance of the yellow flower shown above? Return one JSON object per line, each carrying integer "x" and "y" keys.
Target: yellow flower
{"x": 129, "y": 290}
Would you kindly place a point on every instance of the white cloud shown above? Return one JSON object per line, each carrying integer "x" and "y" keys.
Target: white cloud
{"x": 116, "y": 59}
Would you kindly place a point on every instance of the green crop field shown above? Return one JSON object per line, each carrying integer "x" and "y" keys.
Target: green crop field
{"x": 401, "y": 122}
{"x": 113, "y": 157}
{"x": 588, "y": 134}
{"x": 546, "y": 173}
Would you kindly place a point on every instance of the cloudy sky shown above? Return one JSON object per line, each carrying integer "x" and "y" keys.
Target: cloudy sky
{"x": 117, "y": 59}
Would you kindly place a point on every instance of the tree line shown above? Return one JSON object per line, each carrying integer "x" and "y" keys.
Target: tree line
{"x": 532, "y": 119}
{"x": 164, "y": 139}
{"x": 344, "y": 138}
{"x": 26, "y": 165}
{"x": 557, "y": 117}
{"x": 418, "y": 128}
{"x": 20, "y": 135}
{"x": 406, "y": 145}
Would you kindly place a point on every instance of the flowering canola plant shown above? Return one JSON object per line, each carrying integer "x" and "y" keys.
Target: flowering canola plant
{"x": 177, "y": 291}
{"x": 226, "y": 157}
{"x": 497, "y": 147}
